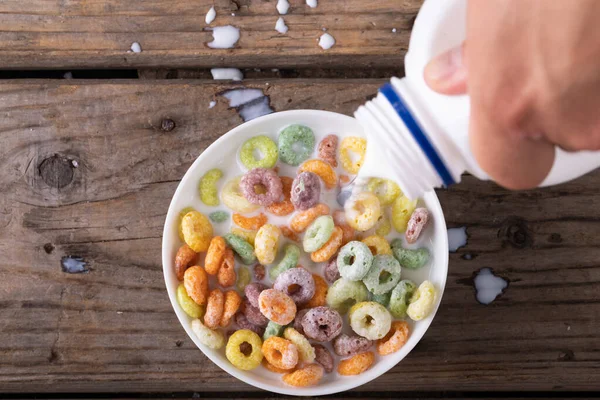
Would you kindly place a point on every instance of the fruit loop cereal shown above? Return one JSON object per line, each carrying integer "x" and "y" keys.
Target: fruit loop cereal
{"x": 356, "y": 145}
{"x": 283, "y": 202}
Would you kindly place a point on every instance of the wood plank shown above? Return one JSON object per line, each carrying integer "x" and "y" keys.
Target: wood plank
{"x": 113, "y": 329}
{"x": 97, "y": 34}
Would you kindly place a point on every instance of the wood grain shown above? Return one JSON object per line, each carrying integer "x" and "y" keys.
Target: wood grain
{"x": 112, "y": 329}
{"x": 97, "y": 34}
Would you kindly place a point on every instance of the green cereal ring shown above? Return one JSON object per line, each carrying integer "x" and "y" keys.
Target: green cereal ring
{"x": 291, "y": 254}
{"x": 187, "y": 304}
{"x": 354, "y": 260}
{"x": 370, "y": 320}
{"x": 400, "y": 297}
{"x": 218, "y": 216}
{"x": 411, "y": 259}
{"x": 208, "y": 187}
{"x": 384, "y": 274}
{"x": 383, "y": 299}
{"x": 272, "y": 329}
{"x": 267, "y": 148}
{"x": 318, "y": 233}
{"x": 243, "y": 278}
{"x": 241, "y": 247}
{"x": 290, "y": 139}
{"x": 343, "y": 294}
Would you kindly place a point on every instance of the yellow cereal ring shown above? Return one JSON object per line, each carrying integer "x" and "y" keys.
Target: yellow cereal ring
{"x": 208, "y": 187}
{"x": 195, "y": 281}
{"x": 386, "y": 190}
{"x": 214, "y": 255}
{"x": 248, "y": 236}
{"x": 197, "y": 231}
{"x": 238, "y": 358}
{"x": 232, "y": 196}
{"x": 179, "y": 218}
{"x": 266, "y": 242}
{"x": 330, "y": 247}
{"x": 302, "y": 220}
{"x": 323, "y": 170}
{"x": 212, "y": 339}
{"x": 383, "y": 227}
{"x": 320, "y": 296}
{"x": 214, "y": 309}
{"x": 402, "y": 209}
{"x": 394, "y": 340}
{"x": 357, "y": 364}
{"x": 378, "y": 245}
{"x": 188, "y": 305}
{"x": 355, "y": 145}
{"x": 422, "y": 301}
{"x": 305, "y": 351}
{"x": 232, "y": 304}
{"x": 280, "y": 353}
{"x": 362, "y": 211}
{"x": 250, "y": 223}
{"x": 184, "y": 258}
{"x": 243, "y": 278}
{"x": 308, "y": 375}
{"x": 226, "y": 275}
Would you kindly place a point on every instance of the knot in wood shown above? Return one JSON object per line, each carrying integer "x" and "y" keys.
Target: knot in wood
{"x": 515, "y": 232}
{"x": 167, "y": 125}
{"x": 56, "y": 171}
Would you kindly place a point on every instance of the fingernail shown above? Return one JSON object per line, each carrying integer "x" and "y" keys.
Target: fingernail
{"x": 445, "y": 65}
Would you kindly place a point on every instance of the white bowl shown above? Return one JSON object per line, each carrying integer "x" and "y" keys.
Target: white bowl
{"x": 187, "y": 195}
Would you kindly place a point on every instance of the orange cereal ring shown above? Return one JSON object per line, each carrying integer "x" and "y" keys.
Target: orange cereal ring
{"x": 288, "y": 233}
{"x": 357, "y": 364}
{"x": 284, "y": 207}
{"x": 320, "y": 296}
{"x": 232, "y": 304}
{"x": 226, "y": 275}
{"x": 344, "y": 179}
{"x": 394, "y": 340}
{"x": 214, "y": 255}
{"x": 273, "y": 368}
{"x": 308, "y": 375}
{"x": 184, "y": 258}
{"x": 330, "y": 247}
{"x": 277, "y": 306}
{"x": 322, "y": 169}
{"x": 302, "y": 220}
{"x": 214, "y": 309}
{"x": 280, "y": 352}
{"x": 195, "y": 281}
{"x": 250, "y": 223}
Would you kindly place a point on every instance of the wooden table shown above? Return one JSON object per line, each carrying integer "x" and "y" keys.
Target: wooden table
{"x": 88, "y": 168}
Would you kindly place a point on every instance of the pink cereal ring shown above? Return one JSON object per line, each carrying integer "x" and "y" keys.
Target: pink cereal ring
{"x": 416, "y": 224}
{"x": 277, "y": 306}
{"x": 262, "y": 177}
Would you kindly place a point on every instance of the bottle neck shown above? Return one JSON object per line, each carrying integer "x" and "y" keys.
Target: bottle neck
{"x": 404, "y": 145}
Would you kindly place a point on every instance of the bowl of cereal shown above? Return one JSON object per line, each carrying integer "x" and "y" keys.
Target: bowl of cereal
{"x": 287, "y": 279}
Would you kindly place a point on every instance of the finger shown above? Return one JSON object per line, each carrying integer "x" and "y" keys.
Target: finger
{"x": 514, "y": 161}
{"x": 447, "y": 73}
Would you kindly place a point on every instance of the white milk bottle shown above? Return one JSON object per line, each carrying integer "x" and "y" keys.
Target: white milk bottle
{"x": 419, "y": 138}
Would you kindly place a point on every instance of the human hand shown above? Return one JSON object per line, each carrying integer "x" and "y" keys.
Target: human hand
{"x": 532, "y": 71}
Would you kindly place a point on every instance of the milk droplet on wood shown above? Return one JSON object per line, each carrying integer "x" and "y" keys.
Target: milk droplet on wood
{"x": 280, "y": 26}
{"x": 210, "y": 15}
{"x": 326, "y": 41}
{"x": 488, "y": 286}
{"x": 224, "y": 37}
{"x": 283, "y": 6}
{"x": 457, "y": 238}
{"x": 233, "y": 74}
{"x": 136, "y": 48}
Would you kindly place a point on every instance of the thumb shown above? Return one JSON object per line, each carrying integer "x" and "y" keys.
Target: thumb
{"x": 447, "y": 73}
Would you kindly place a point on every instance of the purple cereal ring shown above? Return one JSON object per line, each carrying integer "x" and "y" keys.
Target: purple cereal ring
{"x": 331, "y": 272}
{"x": 252, "y": 291}
{"x": 322, "y": 324}
{"x": 254, "y": 315}
{"x": 416, "y": 224}
{"x": 265, "y": 177}
{"x": 345, "y": 345}
{"x": 297, "y": 283}
{"x": 298, "y": 320}
{"x": 306, "y": 189}
{"x": 323, "y": 357}
{"x": 243, "y": 323}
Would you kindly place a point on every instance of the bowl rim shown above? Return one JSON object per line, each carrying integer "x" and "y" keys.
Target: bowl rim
{"x": 367, "y": 376}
